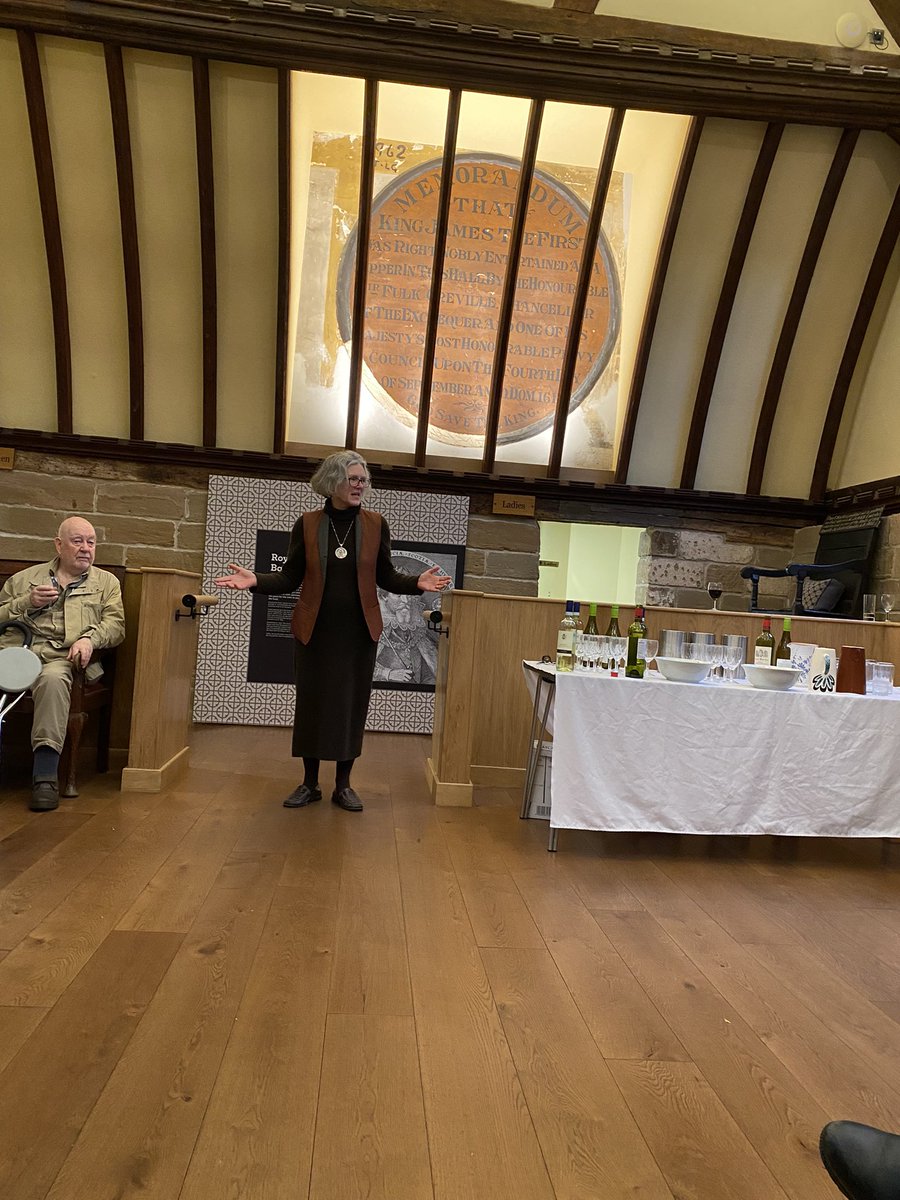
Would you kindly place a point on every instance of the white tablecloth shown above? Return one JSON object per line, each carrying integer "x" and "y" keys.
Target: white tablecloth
{"x": 649, "y": 755}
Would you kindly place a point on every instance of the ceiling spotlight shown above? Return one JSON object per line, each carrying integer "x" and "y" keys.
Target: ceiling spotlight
{"x": 851, "y": 30}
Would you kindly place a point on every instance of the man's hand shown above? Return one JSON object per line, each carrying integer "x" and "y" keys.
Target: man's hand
{"x": 80, "y": 652}
{"x": 43, "y": 594}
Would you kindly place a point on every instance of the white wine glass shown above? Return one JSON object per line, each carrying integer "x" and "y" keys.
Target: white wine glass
{"x": 887, "y": 603}
{"x": 733, "y": 657}
{"x": 716, "y": 659}
{"x": 714, "y": 590}
{"x": 618, "y": 649}
{"x": 651, "y": 649}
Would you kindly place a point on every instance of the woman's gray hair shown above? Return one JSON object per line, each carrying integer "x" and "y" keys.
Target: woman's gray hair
{"x": 333, "y": 471}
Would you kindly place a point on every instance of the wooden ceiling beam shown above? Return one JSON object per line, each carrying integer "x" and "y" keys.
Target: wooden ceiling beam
{"x": 732, "y": 278}
{"x": 208, "y": 276}
{"x": 283, "y": 284}
{"x": 794, "y": 311}
{"x": 361, "y": 274}
{"x": 517, "y": 51}
{"x": 880, "y": 261}
{"x": 654, "y": 296}
{"x": 889, "y": 11}
{"x": 53, "y": 246}
{"x": 131, "y": 256}
{"x": 508, "y": 295}
{"x": 451, "y": 130}
{"x": 582, "y": 285}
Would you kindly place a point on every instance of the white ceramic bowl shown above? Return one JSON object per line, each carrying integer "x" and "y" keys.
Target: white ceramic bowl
{"x": 682, "y": 670}
{"x": 773, "y": 679}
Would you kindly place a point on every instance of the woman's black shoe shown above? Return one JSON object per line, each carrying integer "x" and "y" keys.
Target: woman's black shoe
{"x": 303, "y": 795}
{"x": 347, "y": 798}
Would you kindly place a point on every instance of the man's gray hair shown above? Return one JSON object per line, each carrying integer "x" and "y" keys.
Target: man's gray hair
{"x": 333, "y": 471}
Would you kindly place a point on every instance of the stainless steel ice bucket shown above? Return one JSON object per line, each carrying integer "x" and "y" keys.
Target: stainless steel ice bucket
{"x": 672, "y": 642}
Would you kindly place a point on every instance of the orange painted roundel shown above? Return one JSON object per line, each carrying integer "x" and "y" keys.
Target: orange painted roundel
{"x": 401, "y": 252}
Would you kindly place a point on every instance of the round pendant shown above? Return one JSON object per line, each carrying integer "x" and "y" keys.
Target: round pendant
{"x": 340, "y": 552}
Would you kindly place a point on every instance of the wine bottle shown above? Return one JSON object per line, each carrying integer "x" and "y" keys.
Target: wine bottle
{"x": 636, "y": 663}
{"x": 565, "y": 640}
{"x": 783, "y": 653}
{"x": 591, "y": 628}
{"x": 764, "y": 654}
{"x": 612, "y": 630}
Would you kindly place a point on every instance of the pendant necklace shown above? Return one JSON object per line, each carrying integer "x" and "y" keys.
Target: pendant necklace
{"x": 339, "y": 551}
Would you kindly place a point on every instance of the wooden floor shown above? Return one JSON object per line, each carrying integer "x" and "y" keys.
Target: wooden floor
{"x": 205, "y": 996}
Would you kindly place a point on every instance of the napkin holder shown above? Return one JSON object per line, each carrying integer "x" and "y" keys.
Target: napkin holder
{"x": 822, "y": 672}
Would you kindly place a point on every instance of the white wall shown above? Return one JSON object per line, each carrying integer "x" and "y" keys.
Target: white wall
{"x": 596, "y": 562}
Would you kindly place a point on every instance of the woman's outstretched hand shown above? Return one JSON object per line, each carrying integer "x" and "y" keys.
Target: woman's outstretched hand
{"x": 240, "y": 578}
{"x": 433, "y": 580}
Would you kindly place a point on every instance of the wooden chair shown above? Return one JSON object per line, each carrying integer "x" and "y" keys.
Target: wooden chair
{"x": 87, "y": 698}
{"x": 844, "y": 557}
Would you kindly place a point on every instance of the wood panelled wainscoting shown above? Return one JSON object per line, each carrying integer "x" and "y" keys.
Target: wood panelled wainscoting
{"x": 206, "y": 995}
{"x": 482, "y": 706}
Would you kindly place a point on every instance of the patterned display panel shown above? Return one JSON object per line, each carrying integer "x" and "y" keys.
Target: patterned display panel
{"x": 238, "y": 509}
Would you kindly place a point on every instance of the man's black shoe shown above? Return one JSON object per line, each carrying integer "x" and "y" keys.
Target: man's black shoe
{"x": 863, "y": 1162}
{"x": 303, "y": 795}
{"x": 44, "y": 795}
{"x": 348, "y": 799}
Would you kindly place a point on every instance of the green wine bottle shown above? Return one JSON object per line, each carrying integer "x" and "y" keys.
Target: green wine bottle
{"x": 612, "y": 630}
{"x": 591, "y": 627}
{"x": 783, "y": 653}
{"x": 636, "y": 663}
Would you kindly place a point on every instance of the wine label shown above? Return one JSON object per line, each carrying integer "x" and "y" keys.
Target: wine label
{"x": 565, "y": 640}
{"x": 782, "y": 662}
{"x": 762, "y": 656}
{"x": 642, "y": 648}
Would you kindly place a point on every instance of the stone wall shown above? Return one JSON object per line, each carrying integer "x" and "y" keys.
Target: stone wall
{"x": 502, "y": 555}
{"x": 155, "y": 516}
{"x": 674, "y": 566}
{"x": 886, "y": 577}
{"x": 140, "y": 522}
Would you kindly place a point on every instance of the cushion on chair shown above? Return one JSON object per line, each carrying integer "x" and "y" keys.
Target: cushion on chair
{"x": 821, "y": 594}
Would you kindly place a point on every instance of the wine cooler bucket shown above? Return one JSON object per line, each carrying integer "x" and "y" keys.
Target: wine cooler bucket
{"x": 672, "y": 643}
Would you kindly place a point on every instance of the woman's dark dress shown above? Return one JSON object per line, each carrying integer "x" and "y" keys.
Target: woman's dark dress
{"x": 333, "y": 671}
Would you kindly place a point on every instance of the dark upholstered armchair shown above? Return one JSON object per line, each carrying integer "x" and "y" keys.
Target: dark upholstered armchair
{"x": 834, "y": 584}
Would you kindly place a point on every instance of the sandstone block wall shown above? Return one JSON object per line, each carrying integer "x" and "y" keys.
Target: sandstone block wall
{"x": 674, "y": 566}
{"x": 139, "y": 522}
{"x": 502, "y": 555}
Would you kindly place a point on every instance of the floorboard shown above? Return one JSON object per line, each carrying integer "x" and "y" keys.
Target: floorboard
{"x": 207, "y": 996}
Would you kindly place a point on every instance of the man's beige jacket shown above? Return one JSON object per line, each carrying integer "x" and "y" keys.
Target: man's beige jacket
{"x": 93, "y": 607}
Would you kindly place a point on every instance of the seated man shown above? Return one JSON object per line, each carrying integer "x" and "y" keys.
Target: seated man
{"x": 73, "y": 609}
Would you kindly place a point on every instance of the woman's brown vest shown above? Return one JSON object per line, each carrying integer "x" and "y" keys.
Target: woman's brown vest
{"x": 315, "y": 540}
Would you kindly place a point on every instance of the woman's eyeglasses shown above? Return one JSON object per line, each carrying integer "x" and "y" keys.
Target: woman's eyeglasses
{"x": 362, "y": 480}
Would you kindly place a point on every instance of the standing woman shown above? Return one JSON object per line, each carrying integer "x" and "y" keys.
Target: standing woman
{"x": 338, "y": 553}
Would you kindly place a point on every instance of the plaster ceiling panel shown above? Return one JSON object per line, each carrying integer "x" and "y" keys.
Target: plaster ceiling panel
{"x": 722, "y": 170}
{"x": 828, "y": 315}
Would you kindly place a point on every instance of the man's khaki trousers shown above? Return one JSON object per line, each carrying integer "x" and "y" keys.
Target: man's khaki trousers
{"x": 51, "y": 694}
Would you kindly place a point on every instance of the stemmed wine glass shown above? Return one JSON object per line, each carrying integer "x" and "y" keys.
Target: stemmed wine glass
{"x": 733, "y": 657}
{"x": 716, "y": 659}
{"x": 651, "y": 649}
{"x": 887, "y": 603}
{"x": 715, "y": 591}
{"x": 618, "y": 649}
